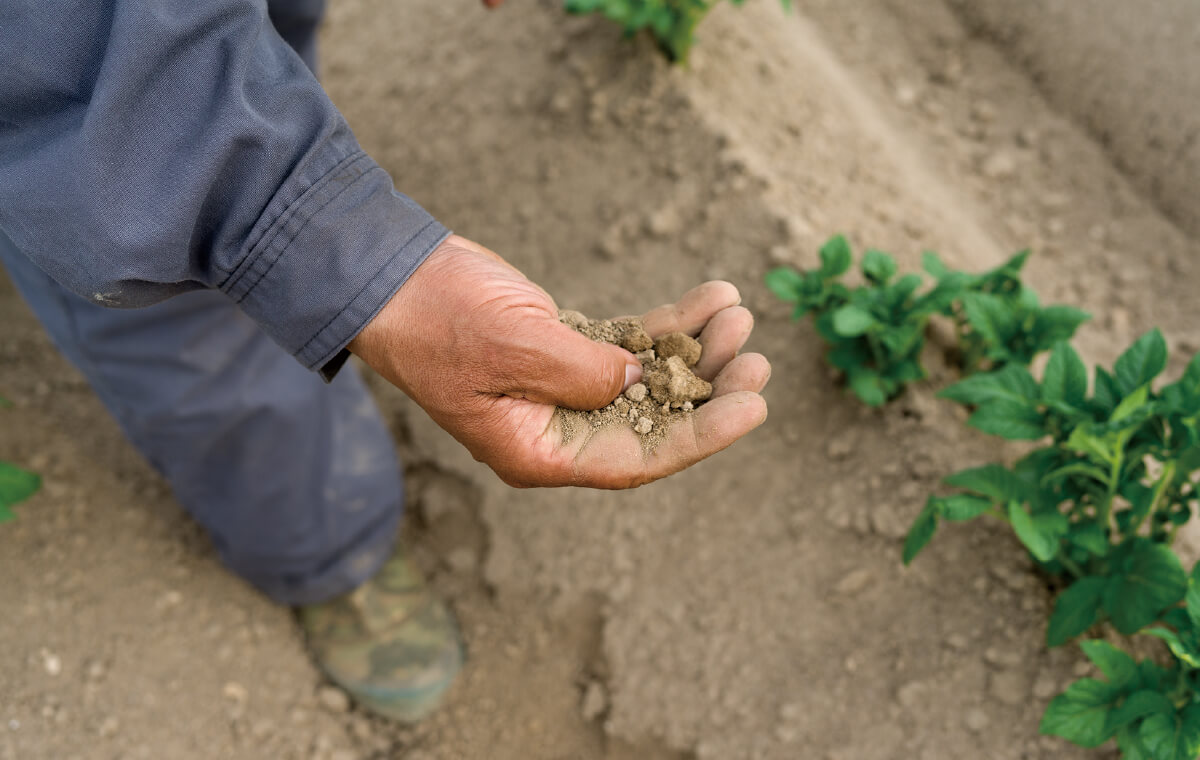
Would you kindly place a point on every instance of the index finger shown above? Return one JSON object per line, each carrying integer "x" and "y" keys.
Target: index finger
{"x": 692, "y": 311}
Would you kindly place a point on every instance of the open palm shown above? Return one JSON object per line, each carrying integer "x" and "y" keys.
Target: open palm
{"x": 480, "y": 348}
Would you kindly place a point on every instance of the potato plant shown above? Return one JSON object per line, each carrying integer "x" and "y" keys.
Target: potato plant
{"x": 876, "y": 331}
{"x": 16, "y": 485}
{"x": 672, "y": 22}
{"x": 1098, "y": 504}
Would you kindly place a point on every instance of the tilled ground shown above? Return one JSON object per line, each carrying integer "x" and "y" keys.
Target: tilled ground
{"x": 753, "y": 607}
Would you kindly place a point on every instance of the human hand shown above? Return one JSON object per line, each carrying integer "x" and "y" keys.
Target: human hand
{"x": 480, "y": 348}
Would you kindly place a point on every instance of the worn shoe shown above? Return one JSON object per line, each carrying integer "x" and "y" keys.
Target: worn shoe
{"x": 390, "y": 643}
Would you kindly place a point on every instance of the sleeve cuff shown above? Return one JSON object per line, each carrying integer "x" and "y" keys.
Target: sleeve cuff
{"x": 332, "y": 260}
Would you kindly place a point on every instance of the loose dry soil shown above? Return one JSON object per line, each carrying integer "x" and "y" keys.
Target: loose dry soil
{"x": 750, "y": 608}
{"x": 669, "y": 389}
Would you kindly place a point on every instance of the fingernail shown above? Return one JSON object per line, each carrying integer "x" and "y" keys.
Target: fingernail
{"x": 633, "y": 374}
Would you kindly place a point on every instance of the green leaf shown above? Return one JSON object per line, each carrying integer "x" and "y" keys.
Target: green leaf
{"x": 1090, "y": 537}
{"x": 868, "y": 386}
{"x": 835, "y": 257}
{"x": 1105, "y": 393}
{"x": 16, "y": 485}
{"x": 1080, "y": 715}
{"x": 878, "y": 266}
{"x": 1130, "y": 404}
{"x": 919, "y": 534}
{"x": 785, "y": 283}
{"x": 1138, "y": 705}
{"x": 989, "y": 316}
{"x": 1175, "y": 737}
{"x": 933, "y": 264}
{"x": 1012, "y": 383}
{"x": 1065, "y": 378}
{"x": 1149, "y": 580}
{"x": 1141, "y": 362}
{"x": 994, "y": 481}
{"x": 1084, "y": 442}
{"x": 1014, "y": 421}
{"x": 1059, "y": 323}
{"x": 852, "y": 321}
{"x": 1117, "y": 666}
{"x": 1084, "y": 469}
{"x": 1193, "y": 596}
{"x": 1075, "y": 610}
{"x": 1184, "y": 650}
{"x": 1040, "y": 533}
{"x": 962, "y": 506}
{"x": 1129, "y": 741}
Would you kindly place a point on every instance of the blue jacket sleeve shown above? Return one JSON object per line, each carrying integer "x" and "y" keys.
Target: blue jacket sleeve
{"x": 151, "y": 147}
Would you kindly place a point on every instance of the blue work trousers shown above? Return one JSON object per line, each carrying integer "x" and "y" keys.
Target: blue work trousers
{"x": 296, "y": 480}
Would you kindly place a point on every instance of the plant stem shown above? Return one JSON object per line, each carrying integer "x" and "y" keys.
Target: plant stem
{"x": 1113, "y": 479}
{"x": 1160, "y": 488}
{"x": 1072, "y": 567}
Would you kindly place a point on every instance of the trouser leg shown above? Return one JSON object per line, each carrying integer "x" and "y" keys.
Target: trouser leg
{"x": 296, "y": 481}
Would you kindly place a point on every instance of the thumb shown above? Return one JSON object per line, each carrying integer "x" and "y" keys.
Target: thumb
{"x": 576, "y": 372}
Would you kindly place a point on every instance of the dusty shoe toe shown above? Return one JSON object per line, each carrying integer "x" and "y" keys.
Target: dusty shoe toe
{"x": 390, "y": 643}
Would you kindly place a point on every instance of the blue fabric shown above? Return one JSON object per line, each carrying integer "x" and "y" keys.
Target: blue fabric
{"x": 296, "y": 480}
{"x": 155, "y": 150}
{"x": 154, "y": 147}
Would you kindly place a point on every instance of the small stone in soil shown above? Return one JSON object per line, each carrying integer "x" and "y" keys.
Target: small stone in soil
{"x": 678, "y": 344}
{"x": 636, "y": 393}
{"x": 643, "y": 426}
{"x": 632, "y": 336}
{"x": 333, "y": 699}
{"x": 671, "y": 381}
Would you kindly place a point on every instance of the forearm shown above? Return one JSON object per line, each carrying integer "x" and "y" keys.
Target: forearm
{"x": 148, "y": 149}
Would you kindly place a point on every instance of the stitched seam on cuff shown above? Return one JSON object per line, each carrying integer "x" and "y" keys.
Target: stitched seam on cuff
{"x": 283, "y": 249}
{"x": 267, "y": 242}
{"x": 370, "y": 281}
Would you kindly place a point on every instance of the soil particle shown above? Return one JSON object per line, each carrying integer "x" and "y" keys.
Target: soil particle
{"x": 670, "y": 389}
{"x": 636, "y": 393}
{"x": 594, "y": 701}
{"x": 1002, "y": 658}
{"x": 333, "y": 699}
{"x": 854, "y": 582}
{"x": 671, "y": 382}
{"x": 627, "y": 332}
{"x": 678, "y": 344}
{"x": 1045, "y": 687}
{"x": 1009, "y": 687}
{"x": 976, "y": 720}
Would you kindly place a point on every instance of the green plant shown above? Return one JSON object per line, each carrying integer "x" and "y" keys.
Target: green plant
{"x": 1098, "y": 505}
{"x": 16, "y": 485}
{"x": 999, "y": 319}
{"x": 672, "y": 22}
{"x": 876, "y": 331}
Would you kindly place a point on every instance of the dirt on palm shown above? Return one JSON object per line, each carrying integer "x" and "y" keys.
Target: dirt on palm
{"x": 750, "y": 608}
{"x": 669, "y": 391}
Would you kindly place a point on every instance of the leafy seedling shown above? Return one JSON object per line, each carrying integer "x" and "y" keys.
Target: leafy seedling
{"x": 672, "y": 22}
{"x": 1099, "y": 504}
{"x": 1101, "y": 501}
{"x": 1151, "y": 710}
{"x": 876, "y": 331}
{"x": 1000, "y": 320}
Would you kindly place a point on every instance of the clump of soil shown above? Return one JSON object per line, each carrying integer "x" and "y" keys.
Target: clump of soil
{"x": 669, "y": 389}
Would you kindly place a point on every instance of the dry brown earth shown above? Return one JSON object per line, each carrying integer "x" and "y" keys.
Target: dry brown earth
{"x": 752, "y": 608}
